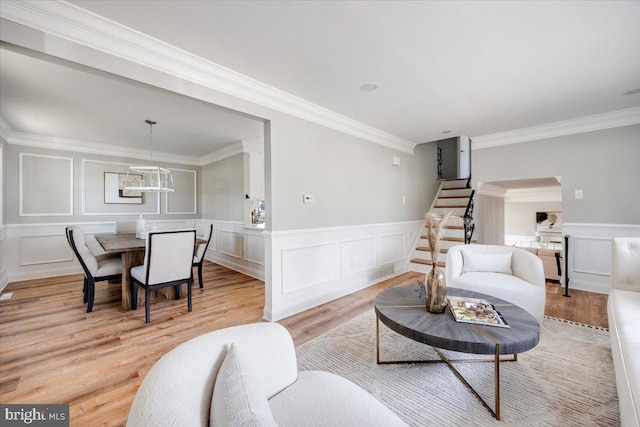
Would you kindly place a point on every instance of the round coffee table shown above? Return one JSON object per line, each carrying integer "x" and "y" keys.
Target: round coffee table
{"x": 403, "y": 311}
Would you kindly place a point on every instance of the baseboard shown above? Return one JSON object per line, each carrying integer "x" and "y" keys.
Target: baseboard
{"x": 241, "y": 267}
{"x": 4, "y": 279}
{"x": 30, "y": 275}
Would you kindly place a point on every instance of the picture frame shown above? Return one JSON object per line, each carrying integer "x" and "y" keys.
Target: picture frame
{"x": 114, "y": 192}
{"x": 549, "y": 222}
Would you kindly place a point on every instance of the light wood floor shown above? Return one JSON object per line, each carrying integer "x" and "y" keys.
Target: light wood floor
{"x": 52, "y": 351}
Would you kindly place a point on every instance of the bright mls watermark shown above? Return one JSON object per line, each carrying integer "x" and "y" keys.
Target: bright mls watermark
{"x": 34, "y": 415}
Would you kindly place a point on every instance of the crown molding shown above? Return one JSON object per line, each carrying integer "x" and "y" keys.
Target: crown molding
{"x": 5, "y": 129}
{"x": 77, "y": 146}
{"x": 628, "y": 117}
{"x": 222, "y": 153}
{"x": 80, "y": 26}
{"x": 537, "y": 194}
{"x": 485, "y": 189}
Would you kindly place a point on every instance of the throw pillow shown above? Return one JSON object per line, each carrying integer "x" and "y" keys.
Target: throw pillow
{"x": 237, "y": 396}
{"x": 496, "y": 262}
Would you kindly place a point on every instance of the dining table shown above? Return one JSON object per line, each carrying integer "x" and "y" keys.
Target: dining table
{"x": 132, "y": 250}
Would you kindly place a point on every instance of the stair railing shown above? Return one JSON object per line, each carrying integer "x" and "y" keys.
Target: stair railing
{"x": 467, "y": 220}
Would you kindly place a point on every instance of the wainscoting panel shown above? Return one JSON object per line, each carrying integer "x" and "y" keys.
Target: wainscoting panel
{"x": 43, "y": 249}
{"x": 306, "y": 268}
{"x": 4, "y": 278}
{"x": 230, "y": 243}
{"x": 357, "y": 255}
{"x": 236, "y": 247}
{"x": 590, "y": 253}
{"x": 254, "y": 249}
{"x": 391, "y": 248}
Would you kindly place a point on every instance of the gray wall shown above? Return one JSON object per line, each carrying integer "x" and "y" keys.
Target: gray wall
{"x": 604, "y": 164}
{"x": 222, "y": 188}
{"x": 520, "y": 218}
{"x": 353, "y": 181}
{"x": 90, "y": 182}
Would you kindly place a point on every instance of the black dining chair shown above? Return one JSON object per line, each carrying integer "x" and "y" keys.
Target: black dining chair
{"x": 96, "y": 269}
{"x": 198, "y": 258}
{"x": 167, "y": 262}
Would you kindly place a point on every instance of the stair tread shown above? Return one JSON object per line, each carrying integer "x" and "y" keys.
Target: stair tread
{"x": 451, "y": 227}
{"x": 427, "y": 262}
{"x": 453, "y": 197}
{"x": 455, "y": 188}
{"x": 452, "y": 207}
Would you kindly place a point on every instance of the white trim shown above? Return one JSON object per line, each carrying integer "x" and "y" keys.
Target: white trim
{"x": 5, "y": 129}
{"x": 299, "y": 231}
{"x": 85, "y": 28}
{"x": 613, "y": 119}
{"x": 485, "y": 189}
{"x": 222, "y": 153}
{"x": 88, "y": 147}
{"x": 586, "y": 225}
{"x": 47, "y": 261}
{"x": 539, "y": 194}
{"x": 82, "y": 191}
{"x": 245, "y": 243}
{"x": 195, "y": 194}
{"x": 20, "y": 186}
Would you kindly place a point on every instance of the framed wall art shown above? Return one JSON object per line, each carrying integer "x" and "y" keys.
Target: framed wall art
{"x": 549, "y": 222}
{"x": 114, "y": 191}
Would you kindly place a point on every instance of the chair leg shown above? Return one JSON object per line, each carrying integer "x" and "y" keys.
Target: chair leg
{"x": 134, "y": 295}
{"x": 84, "y": 291}
{"x": 200, "y": 275}
{"x": 91, "y": 290}
{"x": 189, "y": 304}
{"x": 147, "y": 307}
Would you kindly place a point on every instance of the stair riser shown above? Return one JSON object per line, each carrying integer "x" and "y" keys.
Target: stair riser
{"x": 421, "y": 268}
{"x": 427, "y": 255}
{"x": 465, "y": 192}
{"x": 447, "y": 233}
{"x": 460, "y": 201}
{"x": 452, "y": 211}
{"x": 445, "y": 244}
{"x": 455, "y": 183}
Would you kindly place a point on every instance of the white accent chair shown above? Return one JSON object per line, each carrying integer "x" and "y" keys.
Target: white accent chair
{"x": 623, "y": 311}
{"x": 505, "y": 272}
{"x": 167, "y": 262}
{"x": 96, "y": 269}
{"x": 198, "y": 257}
{"x": 247, "y": 376}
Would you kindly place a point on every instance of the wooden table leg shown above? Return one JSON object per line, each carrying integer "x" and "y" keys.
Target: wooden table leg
{"x": 130, "y": 259}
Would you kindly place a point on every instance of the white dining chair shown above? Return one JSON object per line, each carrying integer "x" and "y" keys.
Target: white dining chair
{"x": 167, "y": 262}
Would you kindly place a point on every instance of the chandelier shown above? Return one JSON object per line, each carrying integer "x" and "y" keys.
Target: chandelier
{"x": 149, "y": 178}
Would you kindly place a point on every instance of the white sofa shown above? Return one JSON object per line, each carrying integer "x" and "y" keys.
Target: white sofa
{"x": 623, "y": 311}
{"x": 247, "y": 376}
{"x": 505, "y": 272}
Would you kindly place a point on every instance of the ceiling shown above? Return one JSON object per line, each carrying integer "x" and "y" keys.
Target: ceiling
{"x": 49, "y": 99}
{"x": 473, "y": 68}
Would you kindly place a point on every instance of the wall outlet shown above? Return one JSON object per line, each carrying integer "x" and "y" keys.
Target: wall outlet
{"x": 579, "y": 194}
{"x": 307, "y": 198}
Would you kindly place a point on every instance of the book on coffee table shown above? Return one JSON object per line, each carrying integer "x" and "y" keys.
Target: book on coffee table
{"x": 475, "y": 310}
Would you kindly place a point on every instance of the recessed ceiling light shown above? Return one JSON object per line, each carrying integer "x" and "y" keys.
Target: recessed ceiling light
{"x": 368, "y": 87}
{"x": 632, "y": 92}
{"x": 447, "y": 131}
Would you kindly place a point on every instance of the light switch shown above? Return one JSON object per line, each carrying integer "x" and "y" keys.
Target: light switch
{"x": 579, "y": 194}
{"x": 307, "y": 198}
{"x": 404, "y": 200}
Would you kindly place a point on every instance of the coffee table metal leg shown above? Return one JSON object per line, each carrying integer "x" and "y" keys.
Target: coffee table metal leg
{"x": 443, "y": 359}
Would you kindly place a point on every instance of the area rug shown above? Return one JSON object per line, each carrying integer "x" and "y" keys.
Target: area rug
{"x": 566, "y": 380}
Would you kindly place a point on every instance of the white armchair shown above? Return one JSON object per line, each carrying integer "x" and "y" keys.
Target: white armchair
{"x": 247, "y": 376}
{"x": 505, "y": 272}
{"x": 623, "y": 312}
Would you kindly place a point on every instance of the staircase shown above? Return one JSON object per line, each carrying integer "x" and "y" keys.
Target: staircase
{"x": 454, "y": 197}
